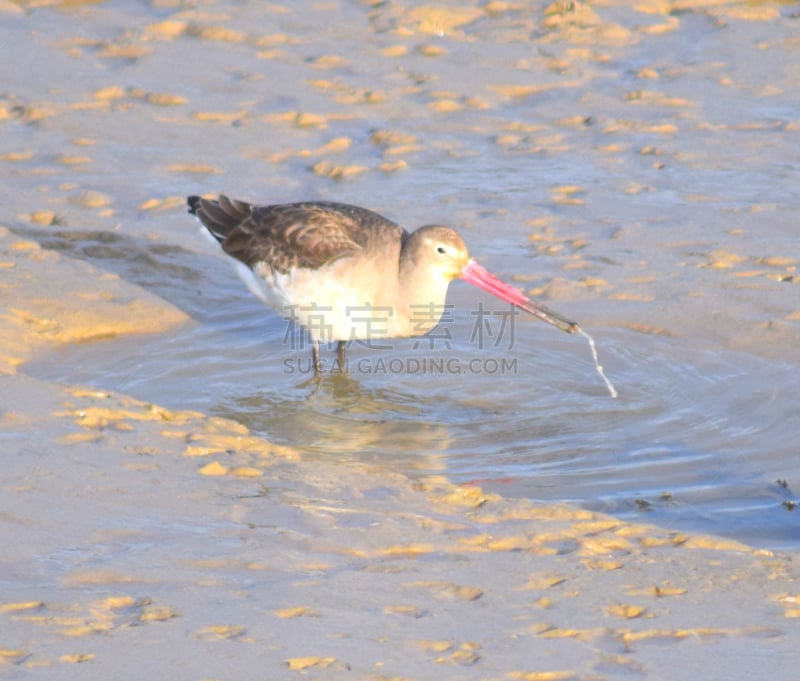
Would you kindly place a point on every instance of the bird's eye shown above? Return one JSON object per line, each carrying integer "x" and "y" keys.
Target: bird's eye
{"x": 441, "y": 249}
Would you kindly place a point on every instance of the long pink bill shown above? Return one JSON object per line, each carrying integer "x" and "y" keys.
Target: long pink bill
{"x": 482, "y": 278}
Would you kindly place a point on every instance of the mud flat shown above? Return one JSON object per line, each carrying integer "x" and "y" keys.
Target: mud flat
{"x": 140, "y": 540}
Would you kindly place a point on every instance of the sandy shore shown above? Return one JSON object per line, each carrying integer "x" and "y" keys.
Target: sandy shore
{"x": 144, "y": 542}
{"x": 139, "y": 540}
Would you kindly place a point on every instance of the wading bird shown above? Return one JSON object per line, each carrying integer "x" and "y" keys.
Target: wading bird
{"x": 346, "y": 273}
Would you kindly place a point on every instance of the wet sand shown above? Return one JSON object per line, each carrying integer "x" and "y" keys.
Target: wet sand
{"x": 140, "y": 541}
{"x": 146, "y": 541}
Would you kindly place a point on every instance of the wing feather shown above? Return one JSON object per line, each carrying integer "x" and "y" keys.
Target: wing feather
{"x": 288, "y": 236}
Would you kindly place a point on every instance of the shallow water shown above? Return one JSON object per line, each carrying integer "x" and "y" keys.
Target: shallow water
{"x": 635, "y": 170}
{"x": 696, "y": 439}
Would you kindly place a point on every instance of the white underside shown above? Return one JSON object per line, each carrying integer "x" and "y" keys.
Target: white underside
{"x": 325, "y": 303}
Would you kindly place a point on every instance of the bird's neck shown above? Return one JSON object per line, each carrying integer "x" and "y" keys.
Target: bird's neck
{"x": 422, "y": 294}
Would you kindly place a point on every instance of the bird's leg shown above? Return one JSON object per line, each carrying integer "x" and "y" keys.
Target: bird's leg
{"x": 315, "y": 358}
{"x": 340, "y": 357}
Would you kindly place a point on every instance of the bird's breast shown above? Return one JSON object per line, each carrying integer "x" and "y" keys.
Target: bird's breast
{"x": 337, "y": 302}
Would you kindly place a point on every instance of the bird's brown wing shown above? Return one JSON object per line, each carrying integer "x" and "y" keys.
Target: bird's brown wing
{"x": 292, "y": 235}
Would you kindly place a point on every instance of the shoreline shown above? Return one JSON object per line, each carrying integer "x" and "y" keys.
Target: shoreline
{"x": 645, "y": 188}
{"x": 124, "y": 519}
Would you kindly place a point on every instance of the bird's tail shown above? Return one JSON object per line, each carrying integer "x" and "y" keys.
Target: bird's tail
{"x": 219, "y": 216}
